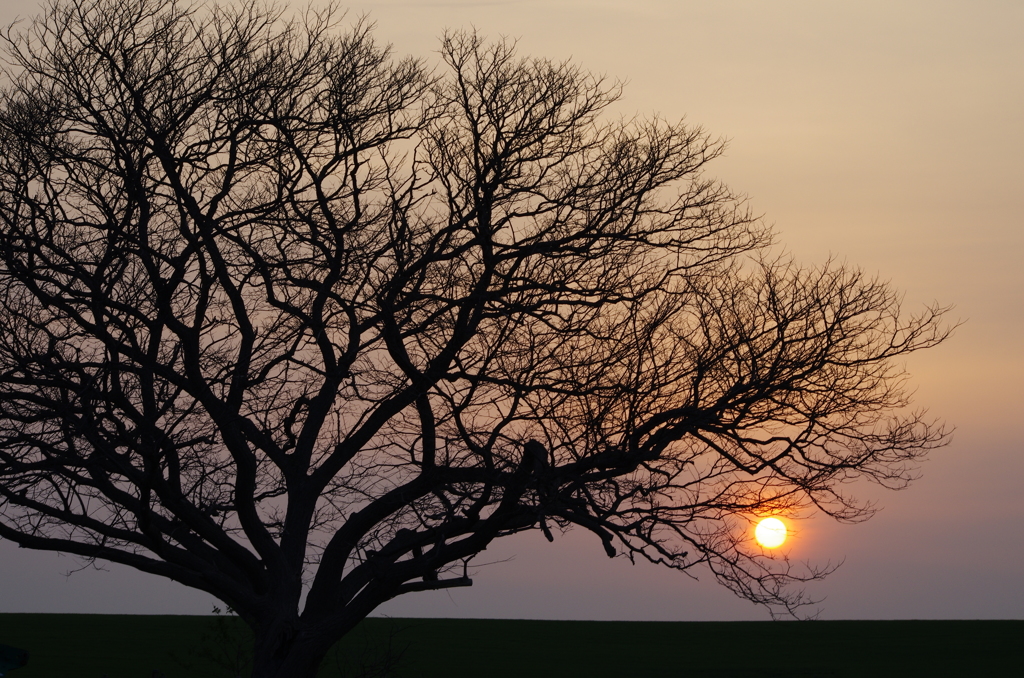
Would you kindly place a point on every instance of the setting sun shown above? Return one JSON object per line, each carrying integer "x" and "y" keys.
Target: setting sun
{"x": 770, "y": 532}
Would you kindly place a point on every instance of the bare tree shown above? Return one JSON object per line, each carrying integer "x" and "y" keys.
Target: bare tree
{"x": 284, "y": 315}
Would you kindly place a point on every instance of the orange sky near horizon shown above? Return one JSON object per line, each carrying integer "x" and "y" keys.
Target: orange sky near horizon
{"x": 887, "y": 135}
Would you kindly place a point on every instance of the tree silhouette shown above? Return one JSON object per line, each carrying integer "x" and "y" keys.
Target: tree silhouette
{"x": 284, "y": 315}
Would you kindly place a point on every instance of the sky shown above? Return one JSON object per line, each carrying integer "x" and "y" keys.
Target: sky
{"x": 883, "y": 134}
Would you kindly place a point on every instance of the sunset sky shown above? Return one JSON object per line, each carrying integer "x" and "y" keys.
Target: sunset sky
{"x": 888, "y": 135}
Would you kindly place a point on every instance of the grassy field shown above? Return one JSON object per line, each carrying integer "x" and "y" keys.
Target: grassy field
{"x": 94, "y": 646}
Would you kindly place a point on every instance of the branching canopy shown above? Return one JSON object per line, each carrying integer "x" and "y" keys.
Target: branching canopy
{"x": 283, "y": 313}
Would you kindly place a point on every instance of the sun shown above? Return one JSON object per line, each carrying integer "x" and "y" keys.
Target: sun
{"x": 770, "y": 533}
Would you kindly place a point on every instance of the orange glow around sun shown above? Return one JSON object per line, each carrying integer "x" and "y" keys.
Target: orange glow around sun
{"x": 770, "y": 533}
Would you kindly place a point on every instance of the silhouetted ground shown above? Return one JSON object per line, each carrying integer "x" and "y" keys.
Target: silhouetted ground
{"x": 119, "y": 646}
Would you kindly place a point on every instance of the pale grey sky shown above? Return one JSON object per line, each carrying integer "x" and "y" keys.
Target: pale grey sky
{"x": 886, "y": 134}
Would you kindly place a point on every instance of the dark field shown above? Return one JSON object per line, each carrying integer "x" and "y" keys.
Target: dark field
{"x": 93, "y": 646}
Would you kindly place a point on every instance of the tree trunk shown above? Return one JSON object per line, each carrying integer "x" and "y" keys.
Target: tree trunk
{"x": 282, "y": 650}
